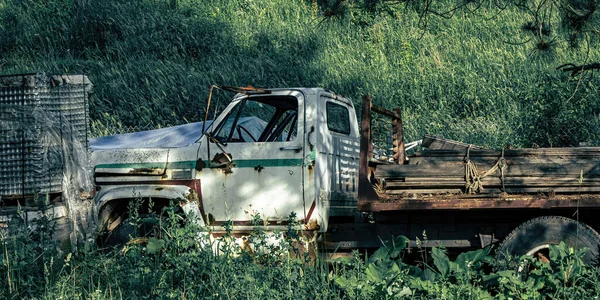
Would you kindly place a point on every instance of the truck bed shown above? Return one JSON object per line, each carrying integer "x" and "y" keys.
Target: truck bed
{"x": 456, "y": 176}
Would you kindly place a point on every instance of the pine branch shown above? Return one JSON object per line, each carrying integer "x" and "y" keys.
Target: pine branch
{"x": 575, "y": 69}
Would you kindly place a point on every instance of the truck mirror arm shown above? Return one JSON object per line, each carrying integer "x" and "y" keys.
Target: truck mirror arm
{"x": 213, "y": 139}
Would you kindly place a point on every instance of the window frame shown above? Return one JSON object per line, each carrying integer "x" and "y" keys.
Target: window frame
{"x": 280, "y": 113}
{"x": 328, "y": 104}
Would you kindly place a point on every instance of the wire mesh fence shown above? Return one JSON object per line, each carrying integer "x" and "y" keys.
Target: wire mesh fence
{"x": 43, "y": 133}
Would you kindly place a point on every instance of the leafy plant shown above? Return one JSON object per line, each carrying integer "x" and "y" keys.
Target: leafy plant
{"x": 558, "y": 275}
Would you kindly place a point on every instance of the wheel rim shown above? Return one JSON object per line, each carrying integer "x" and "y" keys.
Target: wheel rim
{"x": 537, "y": 249}
{"x": 535, "y": 252}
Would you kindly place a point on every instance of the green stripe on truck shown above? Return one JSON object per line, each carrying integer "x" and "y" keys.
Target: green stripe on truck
{"x": 241, "y": 163}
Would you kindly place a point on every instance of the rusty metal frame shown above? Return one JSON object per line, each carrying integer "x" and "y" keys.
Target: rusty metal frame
{"x": 397, "y": 129}
{"x": 365, "y": 189}
{"x": 464, "y": 202}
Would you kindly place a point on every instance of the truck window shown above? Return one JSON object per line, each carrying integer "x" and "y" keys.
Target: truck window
{"x": 260, "y": 119}
{"x": 338, "y": 118}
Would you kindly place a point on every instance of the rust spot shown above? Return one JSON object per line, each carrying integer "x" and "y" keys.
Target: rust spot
{"x": 312, "y": 225}
{"x": 193, "y": 196}
{"x": 543, "y": 258}
{"x": 258, "y": 168}
{"x": 181, "y": 202}
{"x": 222, "y": 158}
{"x": 246, "y": 245}
{"x": 227, "y": 168}
{"x": 223, "y": 161}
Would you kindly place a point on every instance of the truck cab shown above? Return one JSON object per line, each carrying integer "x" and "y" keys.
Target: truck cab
{"x": 274, "y": 154}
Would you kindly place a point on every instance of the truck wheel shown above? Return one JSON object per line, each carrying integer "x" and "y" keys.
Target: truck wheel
{"x": 535, "y": 236}
{"x": 128, "y": 230}
{"x": 119, "y": 228}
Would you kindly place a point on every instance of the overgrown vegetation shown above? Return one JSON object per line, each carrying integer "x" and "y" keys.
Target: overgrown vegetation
{"x": 485, "y": 73}
{"x": 176, "y": 262}
{"x": 482, "y": 74}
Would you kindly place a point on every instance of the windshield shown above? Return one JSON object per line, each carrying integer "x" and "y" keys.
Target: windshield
{"x": 260, "y": 119}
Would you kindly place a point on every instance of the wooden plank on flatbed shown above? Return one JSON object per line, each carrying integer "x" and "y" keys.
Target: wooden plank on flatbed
{"x": 517, "y": 160}
{"x": 549, "y": 181}
{"x": 432, "y": 190}
{"x": 581, "y": 152}
{"x": 452, "y": 202}
{"x": 456, "y": 169}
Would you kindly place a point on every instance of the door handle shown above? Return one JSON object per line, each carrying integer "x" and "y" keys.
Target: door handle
{"x": 312, "y": 130}
{"x": 294, "y": 148}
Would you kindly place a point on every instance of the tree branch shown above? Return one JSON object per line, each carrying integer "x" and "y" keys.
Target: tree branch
{"x": 575, "y": 69}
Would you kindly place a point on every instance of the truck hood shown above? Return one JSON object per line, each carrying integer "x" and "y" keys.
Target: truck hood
{"x": 130, "y": 162}
{"x": 168, "y": 137}
{"x": 146, "y": 152}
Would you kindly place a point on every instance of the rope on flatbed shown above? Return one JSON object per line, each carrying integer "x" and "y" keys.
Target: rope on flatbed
{"x": 473, "y": 182}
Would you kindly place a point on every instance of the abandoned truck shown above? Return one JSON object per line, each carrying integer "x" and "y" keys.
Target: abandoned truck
{"x": 300, "y": 151}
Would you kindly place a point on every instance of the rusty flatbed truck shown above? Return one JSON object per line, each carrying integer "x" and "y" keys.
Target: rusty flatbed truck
{"x": 299, "y": 151}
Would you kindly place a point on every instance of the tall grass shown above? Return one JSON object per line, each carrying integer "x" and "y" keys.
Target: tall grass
{"x": 176, "y": 262}
{"x": 179, "y": 261}
{"x": 467, "y": 78}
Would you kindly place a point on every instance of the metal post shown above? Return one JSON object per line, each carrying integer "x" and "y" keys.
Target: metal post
{"x": 365, "y": 189}
{"x": 398, "y": 137}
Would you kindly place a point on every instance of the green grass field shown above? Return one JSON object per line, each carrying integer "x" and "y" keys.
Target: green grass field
{"x": 469, "y": 78}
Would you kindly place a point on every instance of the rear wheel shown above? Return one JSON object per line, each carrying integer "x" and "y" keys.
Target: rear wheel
{"x": 535, "y": 236}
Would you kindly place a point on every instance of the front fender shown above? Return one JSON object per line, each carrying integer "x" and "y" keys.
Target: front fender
{"x": 112, "y": 193}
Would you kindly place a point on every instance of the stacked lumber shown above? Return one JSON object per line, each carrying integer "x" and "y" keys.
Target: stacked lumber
{"x": 526, "y": 171}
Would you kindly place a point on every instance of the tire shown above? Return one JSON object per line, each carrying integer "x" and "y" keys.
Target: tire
{"x": 117, "y": 226}
{"x": 126, "y": 231}
{"x": 540, "y": 232}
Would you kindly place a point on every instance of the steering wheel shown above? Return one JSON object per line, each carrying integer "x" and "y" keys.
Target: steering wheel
{"x": 239, "y": 130}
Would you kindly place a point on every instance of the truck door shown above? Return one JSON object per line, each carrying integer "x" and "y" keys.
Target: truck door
{"x": 338, "y": 149}
{"x": 253, "y": 161}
